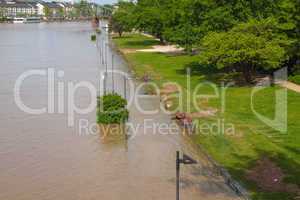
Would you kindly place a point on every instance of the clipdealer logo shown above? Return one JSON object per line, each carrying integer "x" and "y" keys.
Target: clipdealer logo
{"x": 57, "y": 88}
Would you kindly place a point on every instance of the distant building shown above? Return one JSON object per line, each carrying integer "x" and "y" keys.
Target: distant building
{"x": 40, "y": 9}
{"x": 13, "y": 9}
{"x": 68, "y": 8}
{"x": 50, "y": 9}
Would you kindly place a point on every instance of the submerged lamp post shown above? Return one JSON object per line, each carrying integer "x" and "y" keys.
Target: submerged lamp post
{"x": 104, "y": 82}
{"x": 106, "y": 57}
{"x": 112, "y": 69}
{"x": 125, "y": 87}
{"x": 186, "y": 160}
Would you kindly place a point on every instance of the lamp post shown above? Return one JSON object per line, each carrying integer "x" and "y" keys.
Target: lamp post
{"x": 104, "y": 82}
{"x": 112, "y": 69}
{"x": 125, "y": 87}
{"x": 186, "y": 160}
{"x": 106, "y": 57}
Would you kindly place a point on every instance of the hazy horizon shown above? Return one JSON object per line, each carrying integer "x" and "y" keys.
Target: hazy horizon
{"x": 96, "y": 1}
{"x": 106, "y": 1}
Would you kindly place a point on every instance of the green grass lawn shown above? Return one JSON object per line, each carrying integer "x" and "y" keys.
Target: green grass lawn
{"x": 135, "y": 41}
{"x": 253, "y": 140}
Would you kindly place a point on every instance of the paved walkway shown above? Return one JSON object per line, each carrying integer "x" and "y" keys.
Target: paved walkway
{"x": 163, "y": 49}
{"x": 157, "y": 49}
{"x": 290, "y": 85}
{"x": 151, "y": 161}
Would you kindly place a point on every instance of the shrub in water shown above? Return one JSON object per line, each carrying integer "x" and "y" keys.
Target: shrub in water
{"x": 98, "y": 31}
{"x": 93, "y": 37}
{"x": 112, "y": 109}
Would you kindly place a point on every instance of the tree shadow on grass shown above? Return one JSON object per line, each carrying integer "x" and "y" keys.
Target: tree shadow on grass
{"x": 142, "y": 43}
{"x": 122, "y": 37}
{"x": 133, "y": 42}
{"x": 210, "y": 73}
{"x": 294, "y": 150}
{"x": 288, "y": 165}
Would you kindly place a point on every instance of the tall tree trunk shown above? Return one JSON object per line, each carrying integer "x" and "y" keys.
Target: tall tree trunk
{"x": 160, "y": 37}
{"x": 161, "y": 40}
{"x": 291, "y": 64}
{"x": 247, "y": 72}
{"x": 120, "y": 33}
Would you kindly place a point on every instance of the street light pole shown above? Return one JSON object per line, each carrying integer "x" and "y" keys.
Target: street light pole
{"x": 102, "y": 51}
{"x": 104, "y": 83}
{"x": 186, "y": 160}
{"x": 112, "y": 75}
{"x": 106, "y": 56}
{"x": 125, "y": 87}
{"x": 177, "y": 174}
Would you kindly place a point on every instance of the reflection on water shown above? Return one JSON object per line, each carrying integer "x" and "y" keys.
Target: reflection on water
{"x": 113, "y": 135}
{"x": 42, "y": 158}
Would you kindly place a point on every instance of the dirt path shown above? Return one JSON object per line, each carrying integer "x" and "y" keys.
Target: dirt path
{"x": 290, "y": 85}
{"x": 156, "y": 49}
{"x": 163, "y": 49}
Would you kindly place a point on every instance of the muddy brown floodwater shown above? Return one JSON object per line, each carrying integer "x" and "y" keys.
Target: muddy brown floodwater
{"x": 41, "y": 157}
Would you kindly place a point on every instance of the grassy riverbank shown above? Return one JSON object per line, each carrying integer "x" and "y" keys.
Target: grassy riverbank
{"x": 252, "y": 141}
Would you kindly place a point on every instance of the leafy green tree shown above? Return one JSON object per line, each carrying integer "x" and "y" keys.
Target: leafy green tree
{"x": 216, "y": 15}
{"x": 186, "y": 22}
{"x": 73, "y": 13}
{"x": 83, "y": 8}
{"x": 61, "y": 12}
{"x": 182, "y": 23}
{"x": 107, "y": 10}
{"x": 268, "y": 28}
{"x": 122, "y": 19}
{"x": 288, "y": 15}
{"x": 150, "y": 17}
{"x": 2, "y": 15}
{"x": 20, "y": 14}
{"x": 47, "y": 11}
{"x": 2, "y": 12}
{"x": 245, "y": 48}
{"x": 185, "y": 35}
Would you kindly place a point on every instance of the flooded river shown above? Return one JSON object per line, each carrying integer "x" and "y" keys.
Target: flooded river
{"x": 43, "y": 158}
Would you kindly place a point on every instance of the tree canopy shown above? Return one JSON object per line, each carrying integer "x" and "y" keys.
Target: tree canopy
{"x": 256, "y": 33}
{"x": 122, "y": 19}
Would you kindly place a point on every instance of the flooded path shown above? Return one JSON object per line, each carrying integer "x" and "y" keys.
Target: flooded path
{"x": 42, "y": 158}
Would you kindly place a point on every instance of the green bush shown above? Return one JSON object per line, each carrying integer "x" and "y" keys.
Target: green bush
{"x": 93, "y": 37}
{"x": 296, "y": 69}
{"x": 295, "y": 79}
{"x": 3, "y": 19}
{"x": 112, "y": 109}
{"x": 98, "y": 31}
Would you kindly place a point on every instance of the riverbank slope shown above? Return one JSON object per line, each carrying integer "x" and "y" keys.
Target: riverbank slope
{"x": 251, "y": 142}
